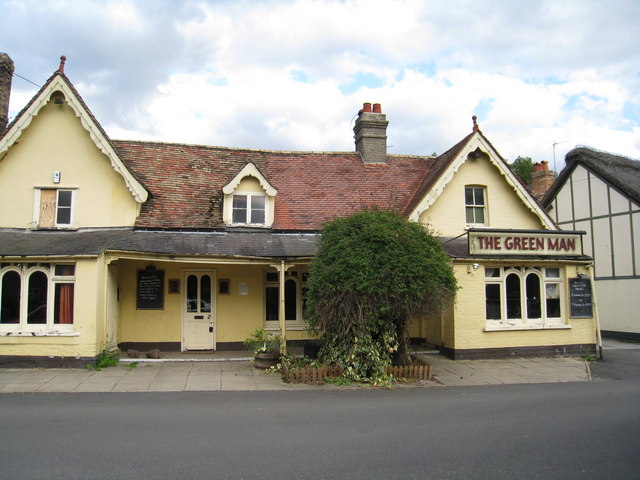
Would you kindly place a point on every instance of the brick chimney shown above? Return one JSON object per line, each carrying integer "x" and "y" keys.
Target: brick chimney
{"x": 541, "y": 179}
{"x": 6, "y": 74}
{"x": 371, "y": 134}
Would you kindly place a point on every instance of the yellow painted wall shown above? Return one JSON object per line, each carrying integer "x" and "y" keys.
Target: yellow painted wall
{"x": 250, "y": 184}
{"x": 504, "y": 208}
{"x": 87, "y": 308}
{"x": 57, "y": 141}
{"x": 469, "y": 321}
{"x": 236, "y": 315}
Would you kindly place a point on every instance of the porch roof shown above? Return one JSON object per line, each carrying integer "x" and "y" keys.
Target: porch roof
{"x": 246, "y": 244}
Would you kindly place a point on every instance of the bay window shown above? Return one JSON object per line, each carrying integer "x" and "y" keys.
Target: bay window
{"x": 523, "y": 297}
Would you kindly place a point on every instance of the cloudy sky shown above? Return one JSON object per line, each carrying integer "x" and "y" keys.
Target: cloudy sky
{"x": 292, "y": 74}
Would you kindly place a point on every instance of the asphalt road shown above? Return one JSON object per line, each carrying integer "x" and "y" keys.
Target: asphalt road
{"x": 552, "y": 431}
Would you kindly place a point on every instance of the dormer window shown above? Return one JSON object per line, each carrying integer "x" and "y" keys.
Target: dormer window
{"x": 249, "y": 199}
{"x": 249, "y": 209}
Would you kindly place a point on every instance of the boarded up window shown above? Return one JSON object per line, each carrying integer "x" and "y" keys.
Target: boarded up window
{"x": 47, "y": 208}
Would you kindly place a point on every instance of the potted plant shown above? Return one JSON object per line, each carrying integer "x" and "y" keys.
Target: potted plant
{"x": 265, "y": 346}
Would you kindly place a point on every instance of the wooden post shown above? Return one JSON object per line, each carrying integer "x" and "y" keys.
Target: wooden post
{"x": 281, "y": 310}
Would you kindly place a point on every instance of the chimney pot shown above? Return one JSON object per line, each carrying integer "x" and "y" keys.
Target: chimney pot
{"x": 475, "y": 123}
{"x": 370, "y": 132}
{"x": 63, "y": 59}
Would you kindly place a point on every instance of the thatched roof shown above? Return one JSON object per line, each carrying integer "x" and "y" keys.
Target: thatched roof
{"x": 621, "y": 173}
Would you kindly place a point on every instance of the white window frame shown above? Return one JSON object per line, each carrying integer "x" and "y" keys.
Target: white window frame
{"x": 524, "y": 322}
{"x": 485, "y": 206}
{"x": 250, "y": 196}
{"x": 56, "y": 225}
{"x": 300, "y": 279}
{"x": 49, "y": 327}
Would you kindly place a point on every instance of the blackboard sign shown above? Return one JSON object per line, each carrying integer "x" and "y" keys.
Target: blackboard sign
{"x": 150, "y": 290}
{"x": 580, "y": 302}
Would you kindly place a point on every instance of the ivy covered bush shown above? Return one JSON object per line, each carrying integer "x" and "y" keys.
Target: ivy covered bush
{"x": 374, "y": 274}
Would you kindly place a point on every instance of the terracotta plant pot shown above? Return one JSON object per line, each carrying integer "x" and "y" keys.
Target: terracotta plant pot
{"x": 265, "y": 360}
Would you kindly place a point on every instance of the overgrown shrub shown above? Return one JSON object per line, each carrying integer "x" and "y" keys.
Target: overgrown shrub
{"x": 374, "y": 273}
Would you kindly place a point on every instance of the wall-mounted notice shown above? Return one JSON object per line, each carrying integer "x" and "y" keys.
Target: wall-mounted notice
{"x": 150, "y": 294}
{"x": 580, "y": 301}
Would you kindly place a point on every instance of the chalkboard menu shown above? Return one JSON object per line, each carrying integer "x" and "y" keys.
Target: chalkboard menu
{"x": 580, "y": 302}
{"x": 150, "y": 295}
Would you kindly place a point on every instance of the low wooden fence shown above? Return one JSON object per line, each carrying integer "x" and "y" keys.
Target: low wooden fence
{"x": 318, "y": 375}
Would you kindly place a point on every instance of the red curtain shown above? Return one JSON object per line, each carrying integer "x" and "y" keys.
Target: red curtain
{"x": 65, "y": 303}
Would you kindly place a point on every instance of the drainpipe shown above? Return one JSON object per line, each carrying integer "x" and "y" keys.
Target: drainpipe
{"x": 281, "y": 310}
{"x": 595, "y": 311}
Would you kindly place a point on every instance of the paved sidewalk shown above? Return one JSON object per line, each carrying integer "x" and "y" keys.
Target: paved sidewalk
{"x": 241, "y": 375}
{"x": 509, "y": 371}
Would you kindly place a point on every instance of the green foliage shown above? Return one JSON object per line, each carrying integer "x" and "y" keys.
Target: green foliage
{"x": 105, "y": 359}
{"x": 523, "y": 168}
{"x": 375, "y": 272}
{"x": 340, "y": 381}
{"x": 262, "y": 341}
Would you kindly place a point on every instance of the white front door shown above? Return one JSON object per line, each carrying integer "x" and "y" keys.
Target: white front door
{"x": 198, "y": 310}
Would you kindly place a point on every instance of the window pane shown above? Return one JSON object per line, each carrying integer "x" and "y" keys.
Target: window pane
{"x": 65, "y": 270}
{"x": 290, "y": 299}
{"x": 240, "y": 201}
{"x": 63, "y": 308}
{"x": 272, "y": 295}
{"x": 552, "y": 291}
{"x": 552, "y": 272}
{"x": 492, "y": 292}
{"x": 257, "y": 202}
{"x": 192, "y": 293}
{"x": 492, "y": 272}
{"x": 63, "y": 215}
{"x": 533, "y": 296}
{"x": 479, "y": 215}
{"x": 470, "y": 218}
{"x": 468, "y": 196}
{"x": 513, "y": 296}
{"x": 37, "y": 299}
{"x": 205, "y": 294}
{"x": 271, "y": 277}
{"x": 10, "y": 307}
{"x": 479, "y": 196}
{"x": 239, "y": 209}
{"x": 64, "y": 198}
{"x": 305, "y": 291}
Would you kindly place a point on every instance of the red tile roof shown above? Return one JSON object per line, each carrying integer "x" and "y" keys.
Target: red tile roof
{"x": 185, "y": 183}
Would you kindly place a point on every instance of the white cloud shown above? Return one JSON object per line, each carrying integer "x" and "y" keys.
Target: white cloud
{"x": 292, "y": 74}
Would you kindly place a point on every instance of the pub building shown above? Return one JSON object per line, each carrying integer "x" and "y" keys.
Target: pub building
{"x": 523, "y": 293}
{"x": 144, "y": 245}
